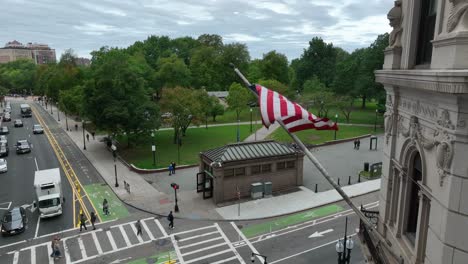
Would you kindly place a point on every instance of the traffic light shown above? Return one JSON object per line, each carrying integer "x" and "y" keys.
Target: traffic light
{"x": 174, "y": 186}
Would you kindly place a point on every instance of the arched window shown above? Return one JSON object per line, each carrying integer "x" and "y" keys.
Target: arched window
{"x": 413, "y": 201}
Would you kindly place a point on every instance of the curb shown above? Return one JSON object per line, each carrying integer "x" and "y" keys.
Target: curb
{"x": 340, "y": 141}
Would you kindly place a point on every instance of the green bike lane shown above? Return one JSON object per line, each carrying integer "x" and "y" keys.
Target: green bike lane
{"x": 97, "y": 192}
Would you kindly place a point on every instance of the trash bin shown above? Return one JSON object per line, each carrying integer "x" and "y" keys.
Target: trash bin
{"x": 256, "y": 190}
{"x": 366, "y": 166}
{"x": 267, "y": 189}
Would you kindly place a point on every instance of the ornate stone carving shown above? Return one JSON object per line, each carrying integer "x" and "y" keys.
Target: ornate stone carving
{"x": 461, "y": 123}
{"x": 444, "y": 120}
{"x": 389, "y": 101}
{"x": 388, "y": 121}
{"x": 394, "y": 17}
{"x": 459, "y": 8}
{"x": 418, "y": 108}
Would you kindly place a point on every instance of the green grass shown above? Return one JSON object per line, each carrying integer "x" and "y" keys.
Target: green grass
{"x": 265, "y": 227}
{"x": 97, "y": 192}
{"x": 320, "y": 136}
{"x": 195, "y": 141}
{"x": 161, "y": 258}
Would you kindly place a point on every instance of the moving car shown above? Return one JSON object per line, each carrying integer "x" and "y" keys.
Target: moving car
{"x": 3, "y": 165}
{"x": 18, "y": 123}
{"x": 3, "y": 140}
{"x": 14, "y": 221}
{"x": 3, "y": 150}
{"x": 7, "y": 117}
{"x": 23, "y": 146}
{"x": 4, "y": 130}
{"x": 37, "y": 129}
{"x": 7, "y": 109}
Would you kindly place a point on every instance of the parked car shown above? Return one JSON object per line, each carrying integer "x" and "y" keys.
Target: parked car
{"x": 3, "y": 140}
{"x": 23, "y": 146}
{"x": 7, "y": 109}
{"x": 3, "y": 165}
{"x": 6, "y": 117}
{"x": 37, "y": 129}
{"x": 4, "y": 130}
{"x": 18, "y": 123}
{"x": 4, "y": 150}
{"x": 14, "y": 221}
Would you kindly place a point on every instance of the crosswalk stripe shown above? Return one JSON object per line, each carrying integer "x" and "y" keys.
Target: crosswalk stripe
{"x": 163, "y": 231}
{"x": 204, "y": 249}
{"x": 15, "y": 257}
{"x": 147, "y": 230}
{"x": 229, "y": 244}
{"x": 96, "y": 242}
{"x": 111, "y": 240}
{"x": 201, "y": 242}
{"x": 49, "y": 252}
{"x": 82, "y": 248}
{"x": 135, "y": 230}
{"x": 224, "y": 260}
{"x": 33, "y": 256}
{"x": 193, "y": 230}
{"x": 207, "y": 256}
{"x": 177, "y": 251}
{"x": 197, "y": 236}
{"x": 127, "y": 241}
{"x": 66, "y": 251}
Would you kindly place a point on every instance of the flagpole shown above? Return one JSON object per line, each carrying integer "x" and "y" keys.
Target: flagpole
{"x": 319, "y": 166}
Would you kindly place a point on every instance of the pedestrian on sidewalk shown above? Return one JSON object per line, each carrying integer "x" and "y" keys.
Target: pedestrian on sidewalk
{"x": 87, "y": 136}
{"x": 170, "y": 169}
{"x": 355, "y": 143}
{"x": 138, "y": 227}
{"x": 82, "y": 222}
{"x": 105, "y": 207}
{"x": 173, "y": 167}
{"x": 170, "y": 217}
{"x": 358, "y": 144}
{"x": 76, "y": 127}
{"x": 93, "y": 134}
{"x": 93, "y": 220}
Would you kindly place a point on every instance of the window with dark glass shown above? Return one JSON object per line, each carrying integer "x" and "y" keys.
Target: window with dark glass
{"x": 281, "y": 165}
{"x": 228, "y": 172}
{"x": 413, "y": 210}
{"x": 240, "y": 171}
{"x": 426, "y": 31}
{"x": 255, "y": 169}
{"x": 266, "y": 167}
{"x": 290, "y": 164}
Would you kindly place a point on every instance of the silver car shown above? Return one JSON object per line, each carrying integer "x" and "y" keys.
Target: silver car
{"x": 3, "y": 165}
{"x": 37, "y": 129}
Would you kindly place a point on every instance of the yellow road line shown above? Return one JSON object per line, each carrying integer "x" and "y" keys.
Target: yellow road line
{"x": 74, "y": 209}
{"x": 67, "y": 168}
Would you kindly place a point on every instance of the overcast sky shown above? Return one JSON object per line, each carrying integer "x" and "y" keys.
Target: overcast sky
{"x": 282, "y": 25}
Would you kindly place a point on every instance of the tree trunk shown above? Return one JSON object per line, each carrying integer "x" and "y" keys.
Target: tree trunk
{"x": 214, "y": 118}
{"x": 363, "y": 106}
{"x": 175, "y": 135}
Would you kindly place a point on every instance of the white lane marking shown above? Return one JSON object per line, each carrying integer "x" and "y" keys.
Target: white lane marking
{"x": 132, "y": 225}
{"x": 49, "y": 253}
{"x": 163, "y": 231}
{"x": 307, "y": 250}
{"x": 320, "y": 234}
{"x": 241, "y": 260}
{"x": 225, "y": 260}
{"x": 12, "y": 244}
{"x": 33, "y": 256}
{"x": 6, "y": 208}
{"x": 207, "y": 256}
{"x": 127, "y": 241}
{"x": 82, "y": 248}
{"x": 111, "y": 240}
{"x": 197, "y": 236}
{"x": 147, "y": 230}
{"x": 241, "y": 235}
{"x": 203, "y": 249}
{"x": 15, "y": 257}
{"x": 177, "y": 250}
{"x": 96, "y": 242}
{"x": 193, "y": 230}
{"x": 37, "y": 226}
{"x": 201, "y": 242}
{"x": 37, "y": 166}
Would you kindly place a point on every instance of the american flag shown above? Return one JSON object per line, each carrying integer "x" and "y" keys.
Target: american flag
{"x": 274, "y": 106}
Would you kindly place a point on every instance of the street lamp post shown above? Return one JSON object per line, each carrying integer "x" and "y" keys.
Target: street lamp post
{"x": 251, "y": 111}
{"x": 336, "y": 122}
{"x": 238, "y": 130}
{"x": 153, "y": 149}
{"x": 344, "y": 248}
{"x": 175, "y": 186}
{"x": 66, "y": 121}
{"x": 84, "y": 141}
{"x": 375, "y": 122}
{"x": 252, "y": 258}
{"x": 58, "y": 114}
{"x": 114, "y": 153}
{"x": 179, "y": 143}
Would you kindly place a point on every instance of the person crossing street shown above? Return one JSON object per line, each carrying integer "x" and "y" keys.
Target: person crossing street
{"x": 82, "y": 222}
{"x": 170, "y": 217}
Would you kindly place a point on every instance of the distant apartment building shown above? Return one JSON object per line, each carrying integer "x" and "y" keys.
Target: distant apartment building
{"x": 39, "y": 53}
{"x": 83, "y": 61}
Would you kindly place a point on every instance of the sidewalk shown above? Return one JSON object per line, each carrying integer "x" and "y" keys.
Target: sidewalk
{"x": 152, "y": 192}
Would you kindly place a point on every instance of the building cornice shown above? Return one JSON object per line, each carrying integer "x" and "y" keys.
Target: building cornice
{"x": 442, "y": 81}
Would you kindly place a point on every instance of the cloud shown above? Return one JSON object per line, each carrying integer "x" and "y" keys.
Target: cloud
{"x": 237, "y": 37}
{"x": 103, "y": 9}
{"x": 95, "y": 29}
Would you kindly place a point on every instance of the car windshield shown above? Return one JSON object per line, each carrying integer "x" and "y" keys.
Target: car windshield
{"x": 49, "y": 203}
{"x": 23, "y": 143}
{"x": 10, "y": 216}
{"x": 2, "y": 162}
{"x": 37, "y": 127}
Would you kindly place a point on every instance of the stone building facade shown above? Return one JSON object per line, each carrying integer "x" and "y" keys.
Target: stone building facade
{"x": 39, "y": 53}
{"x": 230, "y": 170}
{"x": 424, "y": 193}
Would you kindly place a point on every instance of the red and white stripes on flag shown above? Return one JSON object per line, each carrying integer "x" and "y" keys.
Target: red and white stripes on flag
{"x": 274, "y": 106}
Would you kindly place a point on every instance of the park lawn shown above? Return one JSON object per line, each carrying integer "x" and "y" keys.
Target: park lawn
{"x": 311, "y": 136}
{"x": 196, "y": 140}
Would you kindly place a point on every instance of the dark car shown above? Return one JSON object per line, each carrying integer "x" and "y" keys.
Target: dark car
{"x": 4, "y": 130}
{"x": 37, "y": 129}
{"x": 18, "y": 123}
{"x": 23, "y": 146}
{"x": 3, "y": 150}
{"x": 14, "y": 221}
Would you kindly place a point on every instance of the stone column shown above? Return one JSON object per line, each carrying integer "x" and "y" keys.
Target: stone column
{"x": 402, "y": 203}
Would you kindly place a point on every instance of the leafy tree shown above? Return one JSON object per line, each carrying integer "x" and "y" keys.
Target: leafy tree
{"x": 254, "y": 73}
{"x": 212, "y": 40}
{"x": 172, "y": 72}
{"x": 278, "y": 87}
{"x": 237, "y": 54}
{"x": 183, "y": 48}
{"x": 156, "y": 47}
{"x": 216, "y": 108}
{"x": 275, "y": 66}
{"x": 313, "y": 85}
{"x": 71, "y": 100}
{"x": 205, "y": 68}
{"x": 18, "y": 76}
{"x": 238, "y": 98}
{"x": 345, "y": 105}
